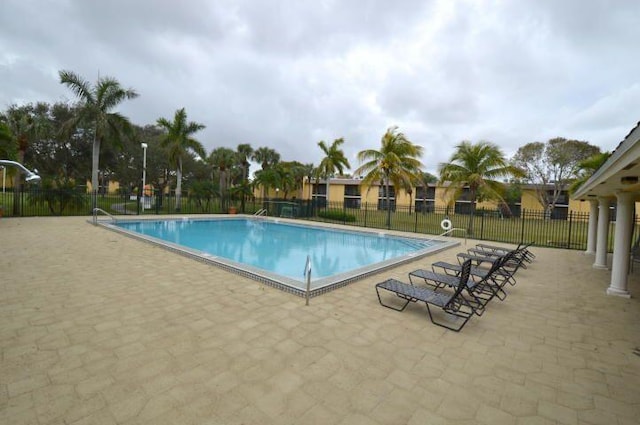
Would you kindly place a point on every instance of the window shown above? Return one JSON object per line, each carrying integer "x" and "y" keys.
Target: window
{"x": 383, "y": 194}
{"x": 429, "y": 193}
{"x": 352, "y": 203}
{"x": 352, "y": 190}
{"x": 320, "y": 189}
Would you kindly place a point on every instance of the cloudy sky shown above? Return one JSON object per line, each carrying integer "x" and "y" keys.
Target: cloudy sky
{"x": 289, "y": 73}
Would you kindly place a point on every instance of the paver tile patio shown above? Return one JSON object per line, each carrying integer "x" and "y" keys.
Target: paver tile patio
{"x": 98, "y": 328}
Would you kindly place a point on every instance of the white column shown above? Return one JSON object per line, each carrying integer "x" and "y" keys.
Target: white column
{"x": 593, "y": 227}
{"x": 603, "y": 234}
{"x": 622, "y": 245}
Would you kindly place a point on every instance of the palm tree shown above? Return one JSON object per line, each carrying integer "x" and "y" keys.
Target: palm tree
{"x": 244, "y": 151}
{"x": 477, "y": 166}
{"x": 179, "y": 142}
{"x": 223, "y": 159}
{"x": 97, "y": 105}
{"x": 309, "y": 171}
{"x": 267, "y": 158}
{"x": 334, "y": 160}
{"x": 26, "y": 123}
{"x": 396, "y": 163}
{"x": 587, "y": 167}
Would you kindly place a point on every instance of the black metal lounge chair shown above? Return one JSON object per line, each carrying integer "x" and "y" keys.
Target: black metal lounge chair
{"x": 478, "y": 258}
{"x": 523, "y": 247}
{"x": 518, "y": 258}
{"x": 453, "y": 304}
{"x": 482, "y": 286}
{"x": 491, "y": 281}
{"x": 507, "y": 270}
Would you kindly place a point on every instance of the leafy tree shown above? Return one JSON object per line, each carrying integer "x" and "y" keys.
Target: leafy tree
{"x": 395, "y": 163}
{"x": 244, "y": 151}
{"x": 267, "y": 158}
{"x": 334, "y": 160}
{"x": 60, "y": 153}
{"x": 292, "y": 175}
{"x": 553, "y": 164}
{"x": 58, "y": 196}
{"x": 179, "y": 143}
{"x": 97, "y": 104}
{"x": 223, "y": 159}
{"x": 268, "y": 178}
{"x": 7, "y": 144}
{"x": 127, "y": 169}
{"x": 477, "y": 166}
{"x": 203, "y": 192}
{"x": 309, "y": 171}
{"x": 27, "y": 124}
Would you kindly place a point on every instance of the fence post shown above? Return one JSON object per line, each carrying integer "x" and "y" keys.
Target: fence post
{"x": 569, "y": 235}
{"x": 482, "y": 224}
{"x": 523, "y": 217}
{"x": 344, "y": 213}
{"x": 415, "y": 226}
{"x": 366, "y": 209}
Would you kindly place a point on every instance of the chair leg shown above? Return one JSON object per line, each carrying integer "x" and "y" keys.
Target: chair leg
{"x": 408, "y": 300}
{"x": 455, "y": 329}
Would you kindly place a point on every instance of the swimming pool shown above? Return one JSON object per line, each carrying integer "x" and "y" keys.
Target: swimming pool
{"x": 275, "y": 251}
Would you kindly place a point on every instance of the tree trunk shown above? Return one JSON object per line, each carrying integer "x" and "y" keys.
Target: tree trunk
{"x": 388, "y": 203}
{"x": 244, "y": 183}
{"x": 327, "y": 191}
{"x": 179, "y": 185}
{"x": 473, "y": 212}
{"x": 224, "y": 204}
{"x": 95, "y": 165}
{"x": 17, "y": 186}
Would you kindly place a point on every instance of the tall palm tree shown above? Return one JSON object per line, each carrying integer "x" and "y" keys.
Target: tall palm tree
{"x": 267, "y": 158}
{"x": 477, "y": 166}
{"x": 396, "y": 163}
{"x": 334, "y": 160}
{"x": 179, "y": 142}
{"x": 223, "y": 159}
{"x": 97, "y": 104}
{"x": 244, "y": 151}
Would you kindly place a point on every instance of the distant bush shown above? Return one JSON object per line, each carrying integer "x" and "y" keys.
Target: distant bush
{"x": 337, "y": 216}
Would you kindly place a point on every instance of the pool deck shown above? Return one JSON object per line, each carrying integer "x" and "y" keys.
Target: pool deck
{"x": 98, "y": 328}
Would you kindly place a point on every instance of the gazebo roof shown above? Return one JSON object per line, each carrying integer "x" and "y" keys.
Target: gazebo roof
{"x": 621, "y": 172}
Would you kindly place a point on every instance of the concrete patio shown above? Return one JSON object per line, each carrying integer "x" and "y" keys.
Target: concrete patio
{"x": 98, "y": 328}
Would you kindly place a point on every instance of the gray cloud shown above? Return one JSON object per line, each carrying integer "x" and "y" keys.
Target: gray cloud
{"x": 287, "y": 74}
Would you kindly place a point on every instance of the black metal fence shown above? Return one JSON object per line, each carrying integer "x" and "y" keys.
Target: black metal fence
{"x": 535, "y": 226}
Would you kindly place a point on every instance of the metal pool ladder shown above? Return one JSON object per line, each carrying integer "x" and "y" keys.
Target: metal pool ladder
{"x": 95, "y": 215}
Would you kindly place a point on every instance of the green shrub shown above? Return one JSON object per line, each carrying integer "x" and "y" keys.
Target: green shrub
{"x": 337, "y": 216}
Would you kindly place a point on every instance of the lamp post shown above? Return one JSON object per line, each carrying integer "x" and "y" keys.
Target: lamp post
{"x": 144, "y": 170}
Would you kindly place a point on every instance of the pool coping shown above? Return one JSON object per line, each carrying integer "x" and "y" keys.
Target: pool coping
{"x": 282, "y": 283}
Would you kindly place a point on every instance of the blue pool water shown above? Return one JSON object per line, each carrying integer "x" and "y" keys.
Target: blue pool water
{"x": 280, "y": 250}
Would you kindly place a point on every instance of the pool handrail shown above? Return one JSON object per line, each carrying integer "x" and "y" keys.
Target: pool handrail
{"x": 95, "y": 215}
{"x": 446, "y": 233}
